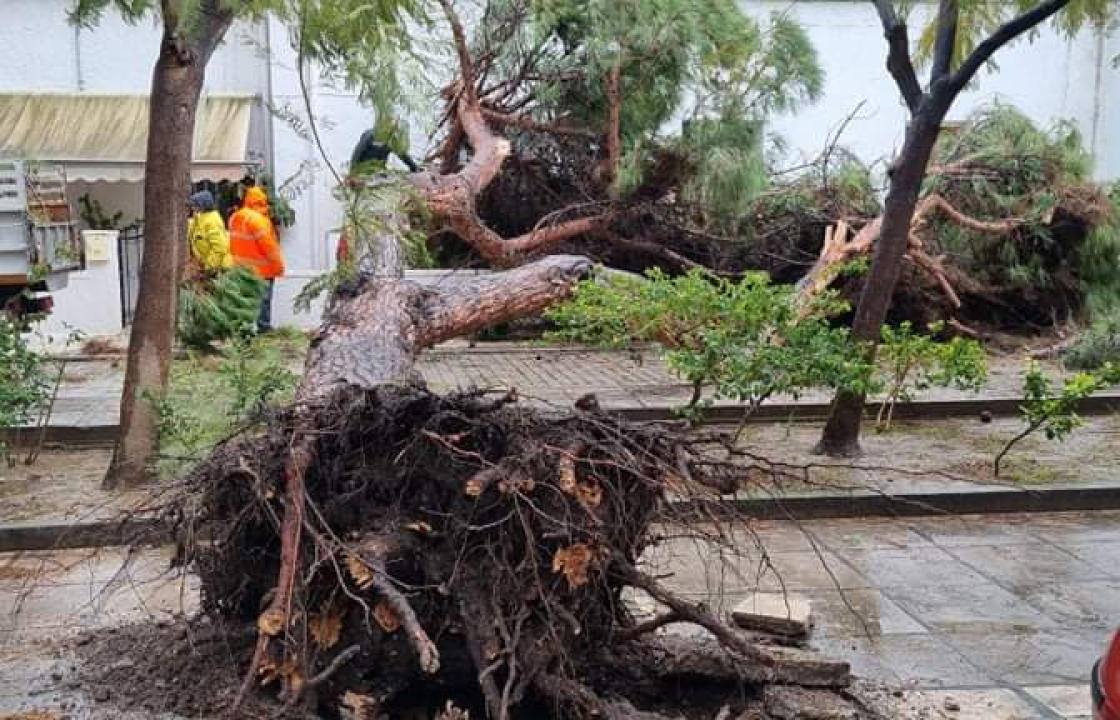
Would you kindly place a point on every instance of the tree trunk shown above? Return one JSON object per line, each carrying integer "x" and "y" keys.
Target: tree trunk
{"x": 841, "y": 433}
{"x": 176, "y": 85}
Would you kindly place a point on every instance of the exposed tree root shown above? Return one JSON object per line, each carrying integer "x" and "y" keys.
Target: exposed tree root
{"x": 467, "y": 546}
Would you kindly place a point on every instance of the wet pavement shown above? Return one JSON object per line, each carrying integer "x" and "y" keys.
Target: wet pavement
{"x": 549, "y": 376}
{"x": 1001, "y": 615}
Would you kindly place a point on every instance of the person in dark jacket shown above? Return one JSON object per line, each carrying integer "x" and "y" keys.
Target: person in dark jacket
{"x": 387, "y": 137}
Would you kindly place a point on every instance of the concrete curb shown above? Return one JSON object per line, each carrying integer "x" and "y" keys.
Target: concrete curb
{"x": 94, "y": 533}
{"x": 995, "y": 501}
{"x": 70, "y": 436}
{"x": 98, "y": 533}
{"x": 809, "y": 412}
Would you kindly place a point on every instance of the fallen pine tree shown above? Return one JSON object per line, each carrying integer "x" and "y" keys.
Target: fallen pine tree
{"x": 394, "y": 550}
{"x": 1010, "y": 233}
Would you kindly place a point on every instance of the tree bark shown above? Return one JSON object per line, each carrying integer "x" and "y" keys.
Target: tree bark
{"x": 177, "y": 81}
{"x": 928, "y": 109}
{"x": 841, "y": 433}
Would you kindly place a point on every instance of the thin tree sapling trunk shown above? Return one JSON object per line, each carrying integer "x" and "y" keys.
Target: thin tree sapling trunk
{"x": 927, "y": 109}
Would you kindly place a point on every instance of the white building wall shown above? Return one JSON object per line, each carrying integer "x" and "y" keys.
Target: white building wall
{"x": 41, "y": 52}
{"x": 1049, "y": 79}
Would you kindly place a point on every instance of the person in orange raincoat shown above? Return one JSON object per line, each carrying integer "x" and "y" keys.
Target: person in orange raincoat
{"x": 254, "y": 244}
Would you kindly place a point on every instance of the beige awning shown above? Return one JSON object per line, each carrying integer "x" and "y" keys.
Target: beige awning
{"x": 104, "y": 137}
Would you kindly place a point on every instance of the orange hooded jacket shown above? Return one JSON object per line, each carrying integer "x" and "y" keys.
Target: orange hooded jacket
{"x": 252, "y": 238}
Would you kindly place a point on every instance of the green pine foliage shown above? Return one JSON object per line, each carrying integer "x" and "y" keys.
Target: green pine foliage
{"x": 1000, "y": 166}
{"x": 698, "y": 79}
{"x": 219, "y": 307}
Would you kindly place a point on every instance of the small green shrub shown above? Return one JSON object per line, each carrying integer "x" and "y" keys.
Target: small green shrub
{"x": 25, "y": 384}
{"x": 210, "y": 396}
{"x": 1054, "y": 411}
{"x": 742, "y": 339}
{"x": 747, "y": 340}
{"x": 909, "y": 361}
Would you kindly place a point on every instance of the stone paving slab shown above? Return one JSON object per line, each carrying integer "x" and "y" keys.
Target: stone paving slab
{"x": 936, "y": 626}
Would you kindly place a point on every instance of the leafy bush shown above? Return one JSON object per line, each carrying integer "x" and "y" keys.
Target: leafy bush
{"x": 747, "y": 339}
{"x": 209, "y": 397}
{"x": 910, "y": 361}
{"x": 24, "y": 382}
{"x": 1051, "y": 411}
{"x": 741, "y": 339}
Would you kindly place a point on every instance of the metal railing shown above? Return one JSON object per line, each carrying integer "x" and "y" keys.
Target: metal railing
{"x": 130, "y": 251}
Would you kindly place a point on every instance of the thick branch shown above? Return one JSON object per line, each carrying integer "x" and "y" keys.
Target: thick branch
{"x": 501, "y": 297}
{"x": 898, "y": 54}
{"x": 936, "y": 202}
{"x": 614, "y": 127}
{"x": 838, "y": 250}
{"x": 466, "y": 66}
{"x": 214, "y": 20}
{"x": 502, "y": 251}
{"x": 1003, "y": 34}
{"x": 526, "y": 122}
{"x": 947, "y": 17}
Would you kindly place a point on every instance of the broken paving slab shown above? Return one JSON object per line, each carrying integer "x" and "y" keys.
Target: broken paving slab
{"x": 775, "y": 613}
{"x": 790, "y": 702}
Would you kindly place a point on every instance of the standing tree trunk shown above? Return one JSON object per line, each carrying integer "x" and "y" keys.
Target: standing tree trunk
{"x": 841, "y": 432}
{"x": 176, "y": 86}
{"x": 927, "y": 110}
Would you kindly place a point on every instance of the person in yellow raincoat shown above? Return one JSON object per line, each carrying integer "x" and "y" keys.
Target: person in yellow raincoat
{"x": 206, "y": 233}
{"x": 255, "y": 245}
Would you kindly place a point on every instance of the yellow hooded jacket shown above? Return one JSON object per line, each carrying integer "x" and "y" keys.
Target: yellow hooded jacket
{"x": 209, "y": 241}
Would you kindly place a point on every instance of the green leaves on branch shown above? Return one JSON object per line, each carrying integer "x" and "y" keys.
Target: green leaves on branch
{"x": 24, "y": 381}
{"x": 909, "y": 361}
{"x": 745, "y": 340}
{"x": 1053, "y": 411}
{"x": 698, "y": 80}
{"x": 742, "y": 339}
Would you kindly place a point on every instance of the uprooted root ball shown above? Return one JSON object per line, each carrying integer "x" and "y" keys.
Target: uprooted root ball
{"x": 459, "y": 548}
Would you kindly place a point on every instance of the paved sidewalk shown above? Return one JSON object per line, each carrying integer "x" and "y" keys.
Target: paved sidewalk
{"x": 90, "y": 392}
{"x": 1001, "y": 615}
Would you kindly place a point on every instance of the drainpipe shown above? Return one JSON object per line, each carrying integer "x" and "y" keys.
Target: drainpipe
{"x": 78, "y": 76}
{"x": 270, "y": 132}
{"x": 1098, "y": 80}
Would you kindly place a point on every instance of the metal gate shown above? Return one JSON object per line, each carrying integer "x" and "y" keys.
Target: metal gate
{"x": 130, "y": 251}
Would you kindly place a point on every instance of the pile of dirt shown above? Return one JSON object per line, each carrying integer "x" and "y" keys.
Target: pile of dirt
{"x": 189, "y": 668}
{"x": 466, "y": 549}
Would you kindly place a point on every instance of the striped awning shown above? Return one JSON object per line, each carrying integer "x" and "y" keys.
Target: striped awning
{"x": 104, "y": 137}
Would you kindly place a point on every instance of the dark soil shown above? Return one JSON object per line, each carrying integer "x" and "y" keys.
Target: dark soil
{"x": 186, "y": 668}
